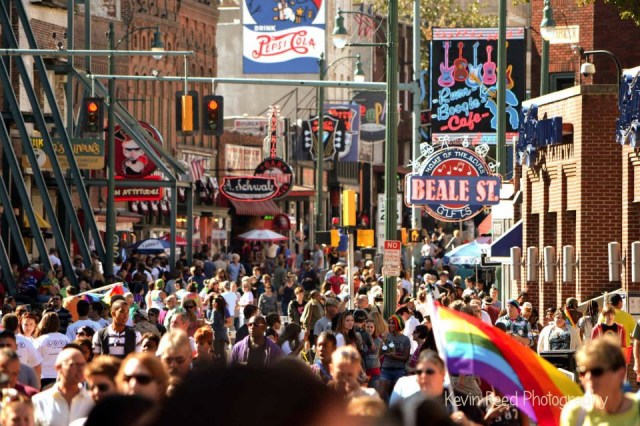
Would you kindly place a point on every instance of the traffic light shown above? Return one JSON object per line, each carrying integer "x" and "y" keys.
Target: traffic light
{"x": 93, "y": 118}
{"x": 348, "y": 208}
{"x": 213, "y": 115}
{"x": 187, "y": 112}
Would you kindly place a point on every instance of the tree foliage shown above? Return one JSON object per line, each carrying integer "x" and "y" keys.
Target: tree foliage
{"x": 629, "y": 9}
{"x": 440, "y": 14}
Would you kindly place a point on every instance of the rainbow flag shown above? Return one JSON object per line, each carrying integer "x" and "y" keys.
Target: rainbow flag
{"x": 118, "y": 289}
{"x": 569, "y": 317}
{"x": 532, "y": 384}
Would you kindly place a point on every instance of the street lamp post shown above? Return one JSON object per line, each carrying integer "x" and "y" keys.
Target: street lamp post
{"x": 110, "y": 226}
{"x": 358, "y": 76}
{"x": 547, "y": 32}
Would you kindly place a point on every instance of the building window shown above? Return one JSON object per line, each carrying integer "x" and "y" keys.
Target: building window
{"x": 561, "y": 80}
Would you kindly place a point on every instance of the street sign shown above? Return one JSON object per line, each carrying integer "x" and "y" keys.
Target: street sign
{"x": 391, "y": 258}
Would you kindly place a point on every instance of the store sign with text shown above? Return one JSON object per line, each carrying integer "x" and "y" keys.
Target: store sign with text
{"x": 249, "y": 188}
{"x": 281, "y": 37}
{"x": 89, "y": 154}
{"x": 137, "y": 193}
{"x": 454, "y": 185}
{"x": 464, "y": 84}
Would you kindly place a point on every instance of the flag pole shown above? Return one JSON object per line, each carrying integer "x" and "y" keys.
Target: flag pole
{"x": 435, "y": 325}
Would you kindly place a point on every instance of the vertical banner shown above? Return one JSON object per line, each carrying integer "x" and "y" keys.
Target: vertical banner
{"x": 282, "y": 36}
{"x": 464, "y": 84}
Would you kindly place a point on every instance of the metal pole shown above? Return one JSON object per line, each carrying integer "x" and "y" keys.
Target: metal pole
{"x": 320, "y": 221}
{"x": 87, "y": 33}
{"x": 415, "y": 135}
{"x": 544, "y": 68}
{"x": 110, "y": 228}
{"x": 391, "y": 148}
{"x": 350, "y": 265}
{"x": 501, "y": 146}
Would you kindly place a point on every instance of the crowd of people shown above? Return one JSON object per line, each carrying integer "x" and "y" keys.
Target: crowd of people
{"x": 68, "y": 356}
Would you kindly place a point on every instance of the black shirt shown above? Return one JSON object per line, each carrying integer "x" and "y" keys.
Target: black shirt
{"x": 257, "y": 355}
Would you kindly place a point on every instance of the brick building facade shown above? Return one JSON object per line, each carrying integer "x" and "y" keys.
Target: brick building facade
{"x": 581, "y": 192}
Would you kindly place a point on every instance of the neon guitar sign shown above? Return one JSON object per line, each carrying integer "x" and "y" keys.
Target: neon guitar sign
{"x": 463, "y": 90}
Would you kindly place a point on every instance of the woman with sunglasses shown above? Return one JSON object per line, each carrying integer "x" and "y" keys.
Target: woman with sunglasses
{"x": 143, "y": 374}
{"x": 100, "y": 376}
{"x": 602, "y": 370}
{"x": 428, "y": 381}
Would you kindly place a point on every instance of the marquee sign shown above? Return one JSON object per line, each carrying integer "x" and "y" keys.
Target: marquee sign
{"x": 454, "y": 184}
{"x": 249, "y": 188}
{"x": 279, "y": 170}
{"x": 464, "y": 84}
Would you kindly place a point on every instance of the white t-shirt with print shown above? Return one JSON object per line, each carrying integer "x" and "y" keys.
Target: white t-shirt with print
{"x": 49, "y": 346}
{"x": 27, "y": 351}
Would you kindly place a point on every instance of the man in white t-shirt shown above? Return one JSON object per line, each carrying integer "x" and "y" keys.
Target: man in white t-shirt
{"x": 31, "y": 359}
{"x": 410, "y": 323}
{"x": 83, "y": 307}
{"x": 53, "y": 257}
{"x": 318, "y": 258}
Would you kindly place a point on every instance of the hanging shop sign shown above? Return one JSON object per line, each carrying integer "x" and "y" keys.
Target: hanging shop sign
{"x": 280, "y": 171}
{"x": 373, "y": 108}
{"x": 454, "y": 184}
{"x": 333, "y": 134}
{"x": 131, "y": 160}
{"x": 628, "y": 123}
{"x": 464, "y": 84}
{"x": 137, "y": 193}
{"x": 282, "y": 37}
{"x": 89, "y": 154}
{"x": 249, "y": 188}
{"x": 534, "y": 133}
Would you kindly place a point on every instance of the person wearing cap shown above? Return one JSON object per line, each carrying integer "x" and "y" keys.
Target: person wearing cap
{"x": 396, "y": 350}
{"x": 142, "y": 324}
{"x": 516, "y": 325}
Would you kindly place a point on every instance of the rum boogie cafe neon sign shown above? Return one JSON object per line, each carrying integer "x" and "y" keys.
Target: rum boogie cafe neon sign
{"x": 455, "y": 184}
{"x": 249, "y": 188}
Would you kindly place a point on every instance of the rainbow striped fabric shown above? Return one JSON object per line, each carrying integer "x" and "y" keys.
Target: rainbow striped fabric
{"x": 529, "y": 382}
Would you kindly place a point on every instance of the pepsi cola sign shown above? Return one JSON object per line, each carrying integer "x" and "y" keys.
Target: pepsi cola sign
{"x": 453, "y": 184}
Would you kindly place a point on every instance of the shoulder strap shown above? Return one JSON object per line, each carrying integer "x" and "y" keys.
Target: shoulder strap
{"x": 129, "y": 340}
{"x": 103, "y": 336}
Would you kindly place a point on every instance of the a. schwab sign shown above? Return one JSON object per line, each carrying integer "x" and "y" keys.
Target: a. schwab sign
{"x": 454, "y": 184}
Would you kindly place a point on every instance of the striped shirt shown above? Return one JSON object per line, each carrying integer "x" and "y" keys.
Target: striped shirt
{"x": 116, "y": 343}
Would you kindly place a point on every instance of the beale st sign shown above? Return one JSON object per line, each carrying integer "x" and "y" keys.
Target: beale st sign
{"x": 453, "y": 184}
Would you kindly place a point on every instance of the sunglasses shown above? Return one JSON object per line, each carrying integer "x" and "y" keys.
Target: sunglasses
{"x": 140, "y": 378}
{"x": 81, "y": 333}
{"x": 595, "y": 372}
{"x": 428, "y": 372}
{"x": 102, "y": 387}
{"x": 189, "y": 307}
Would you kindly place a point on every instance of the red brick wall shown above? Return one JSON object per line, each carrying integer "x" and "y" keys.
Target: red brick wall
{"x": 607, "y": 32}
{"x": 572, "y": 195}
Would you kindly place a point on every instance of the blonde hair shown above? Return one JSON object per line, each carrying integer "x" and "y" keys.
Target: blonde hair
{"x": 151, "y": 363}
{"x": 381, "y": 324}
{"x": 603, "y": 352}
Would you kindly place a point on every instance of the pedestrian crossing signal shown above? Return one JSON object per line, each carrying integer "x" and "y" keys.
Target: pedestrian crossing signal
{"x": 414, "y": 235}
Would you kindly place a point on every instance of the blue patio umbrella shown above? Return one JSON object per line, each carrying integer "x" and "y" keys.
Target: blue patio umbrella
{"x": 150, "y": 246}
{"x": 466, "y": 254}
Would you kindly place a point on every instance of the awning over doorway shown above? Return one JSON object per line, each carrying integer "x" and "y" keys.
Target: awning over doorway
{"x": 255, "y": 208}
{"x": 512, "y": 238}
{"x": 42, "y": 222}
